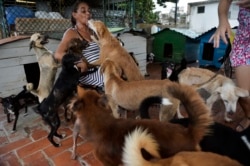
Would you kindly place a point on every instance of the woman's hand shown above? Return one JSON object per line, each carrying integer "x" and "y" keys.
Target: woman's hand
{"x": 223, "y": 31}
{"x": 244, "y": 4}
{"x": 82, "y": 66}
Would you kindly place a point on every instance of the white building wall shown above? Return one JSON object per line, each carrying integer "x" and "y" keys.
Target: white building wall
{"x": 202, "y": 22}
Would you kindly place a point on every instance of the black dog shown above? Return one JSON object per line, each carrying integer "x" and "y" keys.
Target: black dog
{"x": 14, "y": 103}
{"x": 170, "y": 70}
{"x": 64, "y": 87}
{"x": 222, "y": 139}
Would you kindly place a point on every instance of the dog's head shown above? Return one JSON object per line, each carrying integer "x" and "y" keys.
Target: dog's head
{"x": 76, "y": 46}
{"x": 100, "y": 31}
{"x": 69, "y": 61}
{"x": 38, "y": 40}
{"x": 87, "y": 99}
{"x": 8, "y": 104}
{"x": 109, "y": 67}
{"x": 230, "y": 94}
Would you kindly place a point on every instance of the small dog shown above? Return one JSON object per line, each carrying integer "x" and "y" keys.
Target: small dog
{"x": 64, "y": 88}
{"x": 108, "y": 133}
{"x": 217, "y": 85}
{"x": 110, "y": 47}
{"x": 171, "y": 70}
{"x": 47, "y": 64}
{"x": 123, "y": 91}
{"x": 14, "y": 103}
{"x": 141, "y": 139}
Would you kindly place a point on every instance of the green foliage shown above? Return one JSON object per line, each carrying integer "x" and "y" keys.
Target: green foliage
{"x": 144, "y": 11}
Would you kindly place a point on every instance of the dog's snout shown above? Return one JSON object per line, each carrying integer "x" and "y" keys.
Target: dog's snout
{"x": 231, "y": 112}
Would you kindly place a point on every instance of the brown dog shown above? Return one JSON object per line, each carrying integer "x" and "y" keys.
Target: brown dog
{"x": 110, "y": 47}
{"x": 142, "y": 139}
{"x": 47, "y": 65}
{"x": 107, "y": 133}
{"x": 129, "y": 95}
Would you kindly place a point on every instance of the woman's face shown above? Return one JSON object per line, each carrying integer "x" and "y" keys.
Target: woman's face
{"x": 82, "y": 15}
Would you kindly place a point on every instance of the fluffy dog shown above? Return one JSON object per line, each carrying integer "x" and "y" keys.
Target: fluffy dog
{"x": 222, "y": 139}
{"x": 14, "y": 103}
{"x": 225, "y": 141}
{"x": 110, "y": 47}
{"x": 141, "y": 139}
{"x": 217, "y": 85}
{"x": 64, "y": 87}
{"x": 108, "y": 133}
{"x": 123, "y": 91}
{"x": 47, "y": 65}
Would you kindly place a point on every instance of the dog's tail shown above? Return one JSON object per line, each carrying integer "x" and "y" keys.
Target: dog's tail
{"x": 30, "y": 88}
{"x": 134, "y": 142}
{"x": 198, "y": 112}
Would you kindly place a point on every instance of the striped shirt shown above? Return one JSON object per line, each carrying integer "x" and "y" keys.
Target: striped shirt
{"x": 92, "y": 53}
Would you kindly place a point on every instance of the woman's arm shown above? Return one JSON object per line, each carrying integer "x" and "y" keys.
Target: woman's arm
{"x": 224, "y": 26}
{"x": 63, "y": 46}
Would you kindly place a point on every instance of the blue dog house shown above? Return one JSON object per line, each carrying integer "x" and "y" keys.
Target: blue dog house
{"x": 208, "y": 55}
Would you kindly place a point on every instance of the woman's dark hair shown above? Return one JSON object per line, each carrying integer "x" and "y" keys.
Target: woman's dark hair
{"x": 74, "y": 9}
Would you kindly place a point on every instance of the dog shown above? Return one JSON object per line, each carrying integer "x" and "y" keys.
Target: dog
{"x": 123, "y": 91}
{"x": 110, "y": 47}
{"x": 47, "y": 65}
{"x": 222, "y": 140}
{"x": 141, "y": 139}
{"x": 14, "y": 103}
{"x": 171, "y": 70}
{"x": 107, "y": 133}
{"x": 217, "y": 85}
{"x": 64, "y": 88}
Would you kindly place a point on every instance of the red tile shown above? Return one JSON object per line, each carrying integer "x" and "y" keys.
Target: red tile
{"x": 39, "y": 133}
{"x": 33, "y": 147}
{"x": 9, "y": 159}
{"x": 51, "y": 151}
{"x": 37, "y": 159}
{"x": 14, "y": 145}
{"x": 64, "y": 159}
{"x": 84, "y": 149}
{"x": 92, "y": 160}
{"x": 66, "y": 143}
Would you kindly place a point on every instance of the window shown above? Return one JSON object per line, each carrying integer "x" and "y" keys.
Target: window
{"x": 201, "y": 9}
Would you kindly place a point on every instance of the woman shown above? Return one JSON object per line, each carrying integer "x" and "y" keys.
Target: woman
{"x": 240, "y": 54}
{"x": 80, "y": 16}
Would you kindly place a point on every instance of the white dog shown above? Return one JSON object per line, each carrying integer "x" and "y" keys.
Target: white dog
{"x": 217, "y": 85}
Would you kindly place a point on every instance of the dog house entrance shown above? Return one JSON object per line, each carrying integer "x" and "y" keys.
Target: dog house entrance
{"x": 208, "y": 52}
{"x": 32, "y": 73}
{"x": 168, "y": 50}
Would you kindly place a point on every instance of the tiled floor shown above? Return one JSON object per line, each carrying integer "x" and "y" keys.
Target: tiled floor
{"x": 29, "y": 146}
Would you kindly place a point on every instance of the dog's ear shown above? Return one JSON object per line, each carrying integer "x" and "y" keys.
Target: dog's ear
{"x": 32, "y": 44}
{"x": 241, "y": 92}
{"x": 78, "y": 105}
{"x": 103, "y": 101}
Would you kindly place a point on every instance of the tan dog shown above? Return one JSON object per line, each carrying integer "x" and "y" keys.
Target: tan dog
{"x": 141, "y": 139}
{"x": 129, "y": 95}
{"x": 107, "y": 133}
{"x": 217, "y": 85}
{"x": 110, "y": 47}
{"x": 47, "y": 65}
